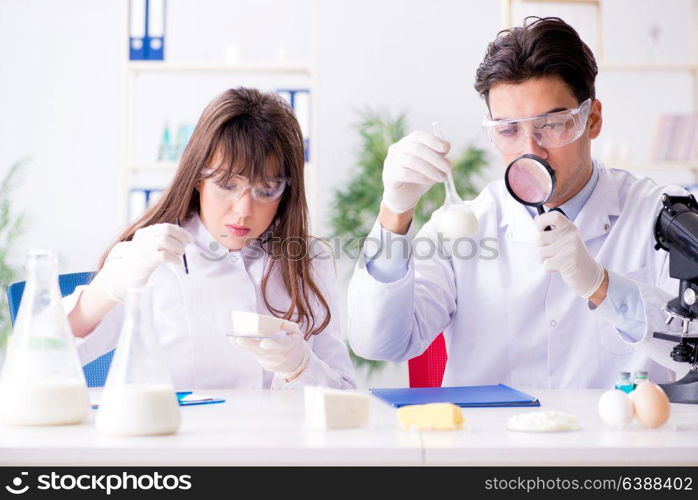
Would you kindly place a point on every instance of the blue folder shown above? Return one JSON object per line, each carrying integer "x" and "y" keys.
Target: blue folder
{"x": 184, "y": 401}
{"x": 474, "y": 396}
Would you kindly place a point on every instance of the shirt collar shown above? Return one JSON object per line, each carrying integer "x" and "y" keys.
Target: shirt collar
{"x": 593, "y": 217}
{"x": 574, "y": 205}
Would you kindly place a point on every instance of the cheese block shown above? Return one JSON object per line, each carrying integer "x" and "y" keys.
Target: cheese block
{"x": 335, "y": 409}
{"x": 432, "y": 416}
{"x": 253, "y": 324}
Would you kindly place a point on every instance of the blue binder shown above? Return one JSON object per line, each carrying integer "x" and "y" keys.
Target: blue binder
{"x": 474, "y": 396}
{"x": 147, "y": 30}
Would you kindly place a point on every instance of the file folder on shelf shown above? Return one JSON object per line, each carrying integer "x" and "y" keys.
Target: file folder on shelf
{"x": 474, "y": 396}
{"x": 147, "y": 30}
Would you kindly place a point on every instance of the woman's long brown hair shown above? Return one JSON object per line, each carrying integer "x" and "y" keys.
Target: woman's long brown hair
{"x": 248, "y": 131}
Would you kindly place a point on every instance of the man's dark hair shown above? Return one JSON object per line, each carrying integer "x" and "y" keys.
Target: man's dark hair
{"x": 542, "y": 47}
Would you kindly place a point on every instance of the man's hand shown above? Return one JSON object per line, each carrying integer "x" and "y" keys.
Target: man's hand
{"x": 412, "y": 166}
{"x": 562, "y": 249}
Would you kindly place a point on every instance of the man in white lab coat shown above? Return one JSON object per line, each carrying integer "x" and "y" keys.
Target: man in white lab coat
{"x": 566, "y": 308}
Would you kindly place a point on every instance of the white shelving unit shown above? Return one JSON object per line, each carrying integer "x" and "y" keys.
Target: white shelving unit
{"x": 165, "y": 67}
{"x": 688, "y": 66}
{"x": 134, "y": 69}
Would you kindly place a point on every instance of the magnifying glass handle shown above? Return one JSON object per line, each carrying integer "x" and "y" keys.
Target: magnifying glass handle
{"x": 541, "y": 211}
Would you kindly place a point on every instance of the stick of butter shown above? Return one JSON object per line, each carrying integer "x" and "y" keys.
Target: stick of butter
{"x": 335, "y": 409}
{"x": 431, "y": 416}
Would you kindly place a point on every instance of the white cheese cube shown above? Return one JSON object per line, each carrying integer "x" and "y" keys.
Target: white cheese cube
{"x": 335, "y": 409}
{"x": 249, "y": 323}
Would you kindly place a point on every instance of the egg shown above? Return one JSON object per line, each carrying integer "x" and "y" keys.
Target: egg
{"x": 615, "y": 408}
{"x": 651, "y": 405}
{"x": 457, "y": 222}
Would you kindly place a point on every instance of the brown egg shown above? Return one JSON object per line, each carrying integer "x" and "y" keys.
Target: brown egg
{"x": 651, "y": 405}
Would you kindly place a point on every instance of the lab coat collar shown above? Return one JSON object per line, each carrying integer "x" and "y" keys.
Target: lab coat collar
{"x": 593, "y": 220}
{"x": 518, "y": 221}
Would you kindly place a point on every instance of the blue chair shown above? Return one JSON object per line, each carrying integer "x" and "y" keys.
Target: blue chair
{"x": 95, "y": 371}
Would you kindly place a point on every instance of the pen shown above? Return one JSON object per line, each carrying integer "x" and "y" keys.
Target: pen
{"x": 184, "y": 256}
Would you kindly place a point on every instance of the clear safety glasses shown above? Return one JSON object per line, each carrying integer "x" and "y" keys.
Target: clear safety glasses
{"x": 268, "y": 191}
{"x": 550, "y": 131}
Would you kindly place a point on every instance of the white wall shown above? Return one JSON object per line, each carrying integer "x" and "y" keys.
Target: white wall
{"x": 62, "y": 82}
{"x": 62, "y": 86}
{"x": 60, "y": 101}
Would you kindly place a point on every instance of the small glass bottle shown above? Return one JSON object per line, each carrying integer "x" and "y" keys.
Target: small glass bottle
{"x": 138, "y": 397}
{"x": 640, "y": 378}
{"x": 165, "y": 150}
{"x": 624, "y": 383}
{"x": 42, "y": 382}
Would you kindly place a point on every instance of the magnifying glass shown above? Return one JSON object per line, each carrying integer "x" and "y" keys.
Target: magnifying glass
{"x": 531, "y": 181}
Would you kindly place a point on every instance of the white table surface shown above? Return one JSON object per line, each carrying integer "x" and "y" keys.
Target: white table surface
{"x": 267, "y": 428}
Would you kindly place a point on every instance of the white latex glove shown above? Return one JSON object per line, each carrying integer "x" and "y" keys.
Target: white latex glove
{"x": 131, "y": 263}
{"x": 412, "y": 166}
{"x": 286, "y": 353}
{"x": 562, "y": 249}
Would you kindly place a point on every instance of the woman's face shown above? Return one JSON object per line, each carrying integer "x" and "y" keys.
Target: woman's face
{"x": 232, "y": 214}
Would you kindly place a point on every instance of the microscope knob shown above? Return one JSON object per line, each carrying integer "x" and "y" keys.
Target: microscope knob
{"x": 689, "y": 296}
{"x": 682, "y": 353}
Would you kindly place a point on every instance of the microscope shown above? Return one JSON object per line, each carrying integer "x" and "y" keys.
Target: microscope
{"x": 676, "y": 231}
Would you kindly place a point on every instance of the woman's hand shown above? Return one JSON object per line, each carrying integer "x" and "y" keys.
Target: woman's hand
{"x": 286, "y": 353}
{"x": 130, "y": 263}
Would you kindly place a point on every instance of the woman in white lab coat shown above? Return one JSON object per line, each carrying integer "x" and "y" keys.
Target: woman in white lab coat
{"x": 240, "y": 197}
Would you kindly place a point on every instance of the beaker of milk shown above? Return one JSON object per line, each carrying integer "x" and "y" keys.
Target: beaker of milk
{"x": 138, "y": 397}
{"x": 42, "y": 382}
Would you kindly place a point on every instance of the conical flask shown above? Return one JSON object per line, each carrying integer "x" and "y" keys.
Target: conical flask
{"x": 139, "y": 397}
{"x": 42, "y": 382}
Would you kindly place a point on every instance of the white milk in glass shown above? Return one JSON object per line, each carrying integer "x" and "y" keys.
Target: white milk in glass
{"x": 137, "y": 410}
{"x": 139, "y": 397}
{"x": 42, "y": 382}
{"x": 43, "y": 403}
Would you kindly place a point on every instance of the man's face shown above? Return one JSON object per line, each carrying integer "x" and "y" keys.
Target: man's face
{"x": 571, "y": 163}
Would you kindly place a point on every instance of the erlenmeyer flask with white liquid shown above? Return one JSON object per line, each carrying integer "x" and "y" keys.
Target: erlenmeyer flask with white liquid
{"x": 138, "y": 397}
{"x": 42, "y": 382}
{"x": 456, "y": 219}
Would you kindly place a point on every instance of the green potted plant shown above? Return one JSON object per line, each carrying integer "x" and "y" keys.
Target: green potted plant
{"x": 356, "y": 205}
{"x": 11, "y": 227}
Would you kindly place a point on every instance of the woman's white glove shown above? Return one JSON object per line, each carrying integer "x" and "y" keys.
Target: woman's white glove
{"x": 130, "y": 263}
{"x": 286, "y": 354}
{"x": 562, "y": 249}
{"x": 412, "y": 166}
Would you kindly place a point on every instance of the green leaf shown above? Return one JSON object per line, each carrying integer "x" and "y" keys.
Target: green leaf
{"x": 11, "y": 227}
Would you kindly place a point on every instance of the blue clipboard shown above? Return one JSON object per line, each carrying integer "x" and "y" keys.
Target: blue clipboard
{"x": 474, "y": 396}
{"x": 183, "y": 401}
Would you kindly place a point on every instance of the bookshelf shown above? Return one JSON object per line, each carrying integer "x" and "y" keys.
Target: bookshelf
{"x": 638, "y": 66}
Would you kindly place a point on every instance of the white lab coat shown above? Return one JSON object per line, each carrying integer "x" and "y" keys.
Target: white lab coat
{"x": 505, "y": 319}
{"x": 192, "y": 316}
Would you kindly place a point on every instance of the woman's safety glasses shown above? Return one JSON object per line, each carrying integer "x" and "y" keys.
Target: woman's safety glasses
{"x": 550, "y": 131}
{"x": 268, "y": 191}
